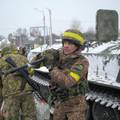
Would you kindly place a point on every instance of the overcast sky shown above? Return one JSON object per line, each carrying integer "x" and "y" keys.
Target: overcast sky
{"x": 22, "y": 13}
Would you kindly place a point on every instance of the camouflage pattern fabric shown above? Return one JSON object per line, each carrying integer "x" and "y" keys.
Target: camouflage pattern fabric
{"x": 75, "y": 106}
{"x": 75, "y": 63}
{"x": 17, "y": 103}
{"x": 69, "y": 71}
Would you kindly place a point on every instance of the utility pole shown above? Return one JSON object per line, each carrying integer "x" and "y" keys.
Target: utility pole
{"x": 43, "y": 22}
{"x": 50, "y": 28}
{"x": 44, "y": 27}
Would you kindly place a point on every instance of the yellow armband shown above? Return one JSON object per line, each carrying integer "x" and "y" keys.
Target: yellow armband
{"x": 75, "y": 76}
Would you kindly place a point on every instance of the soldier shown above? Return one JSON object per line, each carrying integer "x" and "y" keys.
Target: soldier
{"x": 18, "y": 101}
{"x": 22, "y": 51}
{"x": 69, "y": 74}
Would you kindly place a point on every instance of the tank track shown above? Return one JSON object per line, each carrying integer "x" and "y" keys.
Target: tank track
{"x": 104, "y": 98}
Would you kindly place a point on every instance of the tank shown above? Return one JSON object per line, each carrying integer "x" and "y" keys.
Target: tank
{"x": 104, "y": 71}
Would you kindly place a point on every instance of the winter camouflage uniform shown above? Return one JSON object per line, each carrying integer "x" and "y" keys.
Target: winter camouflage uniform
{"x": 17, "y": 99}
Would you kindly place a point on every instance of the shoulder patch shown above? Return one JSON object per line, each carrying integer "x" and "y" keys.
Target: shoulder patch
{"x": 77, "y": 68}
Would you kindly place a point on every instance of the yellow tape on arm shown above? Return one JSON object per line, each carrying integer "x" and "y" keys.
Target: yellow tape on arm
{"x": 75, "y": 76}
{"x": 74, "y": 36}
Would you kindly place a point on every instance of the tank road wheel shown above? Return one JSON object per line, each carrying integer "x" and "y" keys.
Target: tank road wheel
{"x": 100, "y": 112}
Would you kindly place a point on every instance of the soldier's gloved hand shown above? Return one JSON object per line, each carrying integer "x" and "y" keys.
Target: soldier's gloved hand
{"x": 51, "y": 57}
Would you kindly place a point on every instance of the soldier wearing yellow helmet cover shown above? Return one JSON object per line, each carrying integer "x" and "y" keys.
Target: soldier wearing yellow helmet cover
{"x": 17, "y": 96}
{"x": 70, "y": 75}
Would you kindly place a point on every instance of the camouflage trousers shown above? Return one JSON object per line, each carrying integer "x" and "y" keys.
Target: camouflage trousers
{"x": 19, "y": 108}
{"x": 75, "y": 108}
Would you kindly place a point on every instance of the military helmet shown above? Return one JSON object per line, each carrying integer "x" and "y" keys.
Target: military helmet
{"x": 73, "y": 36}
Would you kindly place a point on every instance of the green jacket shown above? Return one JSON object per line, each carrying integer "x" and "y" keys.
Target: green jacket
{"x": 11, "y": 84}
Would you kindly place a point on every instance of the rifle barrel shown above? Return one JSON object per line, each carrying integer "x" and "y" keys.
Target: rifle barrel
{"x": 12, "y": 70}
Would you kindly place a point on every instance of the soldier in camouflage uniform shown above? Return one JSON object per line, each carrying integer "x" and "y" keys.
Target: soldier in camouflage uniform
{"x": 18, "y": 101}
{"x": 69, "y": 74}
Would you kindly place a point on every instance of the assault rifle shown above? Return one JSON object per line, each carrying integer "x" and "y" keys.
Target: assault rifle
{"x": 41, "y": 91}
{"x": 15, "y": 68}
{"x": 39, "y": 82}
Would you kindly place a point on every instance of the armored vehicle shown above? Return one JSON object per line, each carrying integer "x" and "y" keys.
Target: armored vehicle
{"x": 104, "y": 70}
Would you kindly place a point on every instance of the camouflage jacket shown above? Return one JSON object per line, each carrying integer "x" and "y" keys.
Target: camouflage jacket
{"x": 11, "y": 84}
{"x": 71, "y": 72}
{"x": 67, "y": 70}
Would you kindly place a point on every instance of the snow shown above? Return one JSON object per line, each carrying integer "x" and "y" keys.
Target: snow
{"x": 104, "y": 63}
{"x": 104, "y": 69}
{"x": 42, "y": 48}
{"x": 104, "y": 46}
{"x": 43, "y": 69}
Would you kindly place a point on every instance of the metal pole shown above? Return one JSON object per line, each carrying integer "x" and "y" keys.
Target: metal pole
{"x": 44, "y": 27}
{"x": 49, "y": 10}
